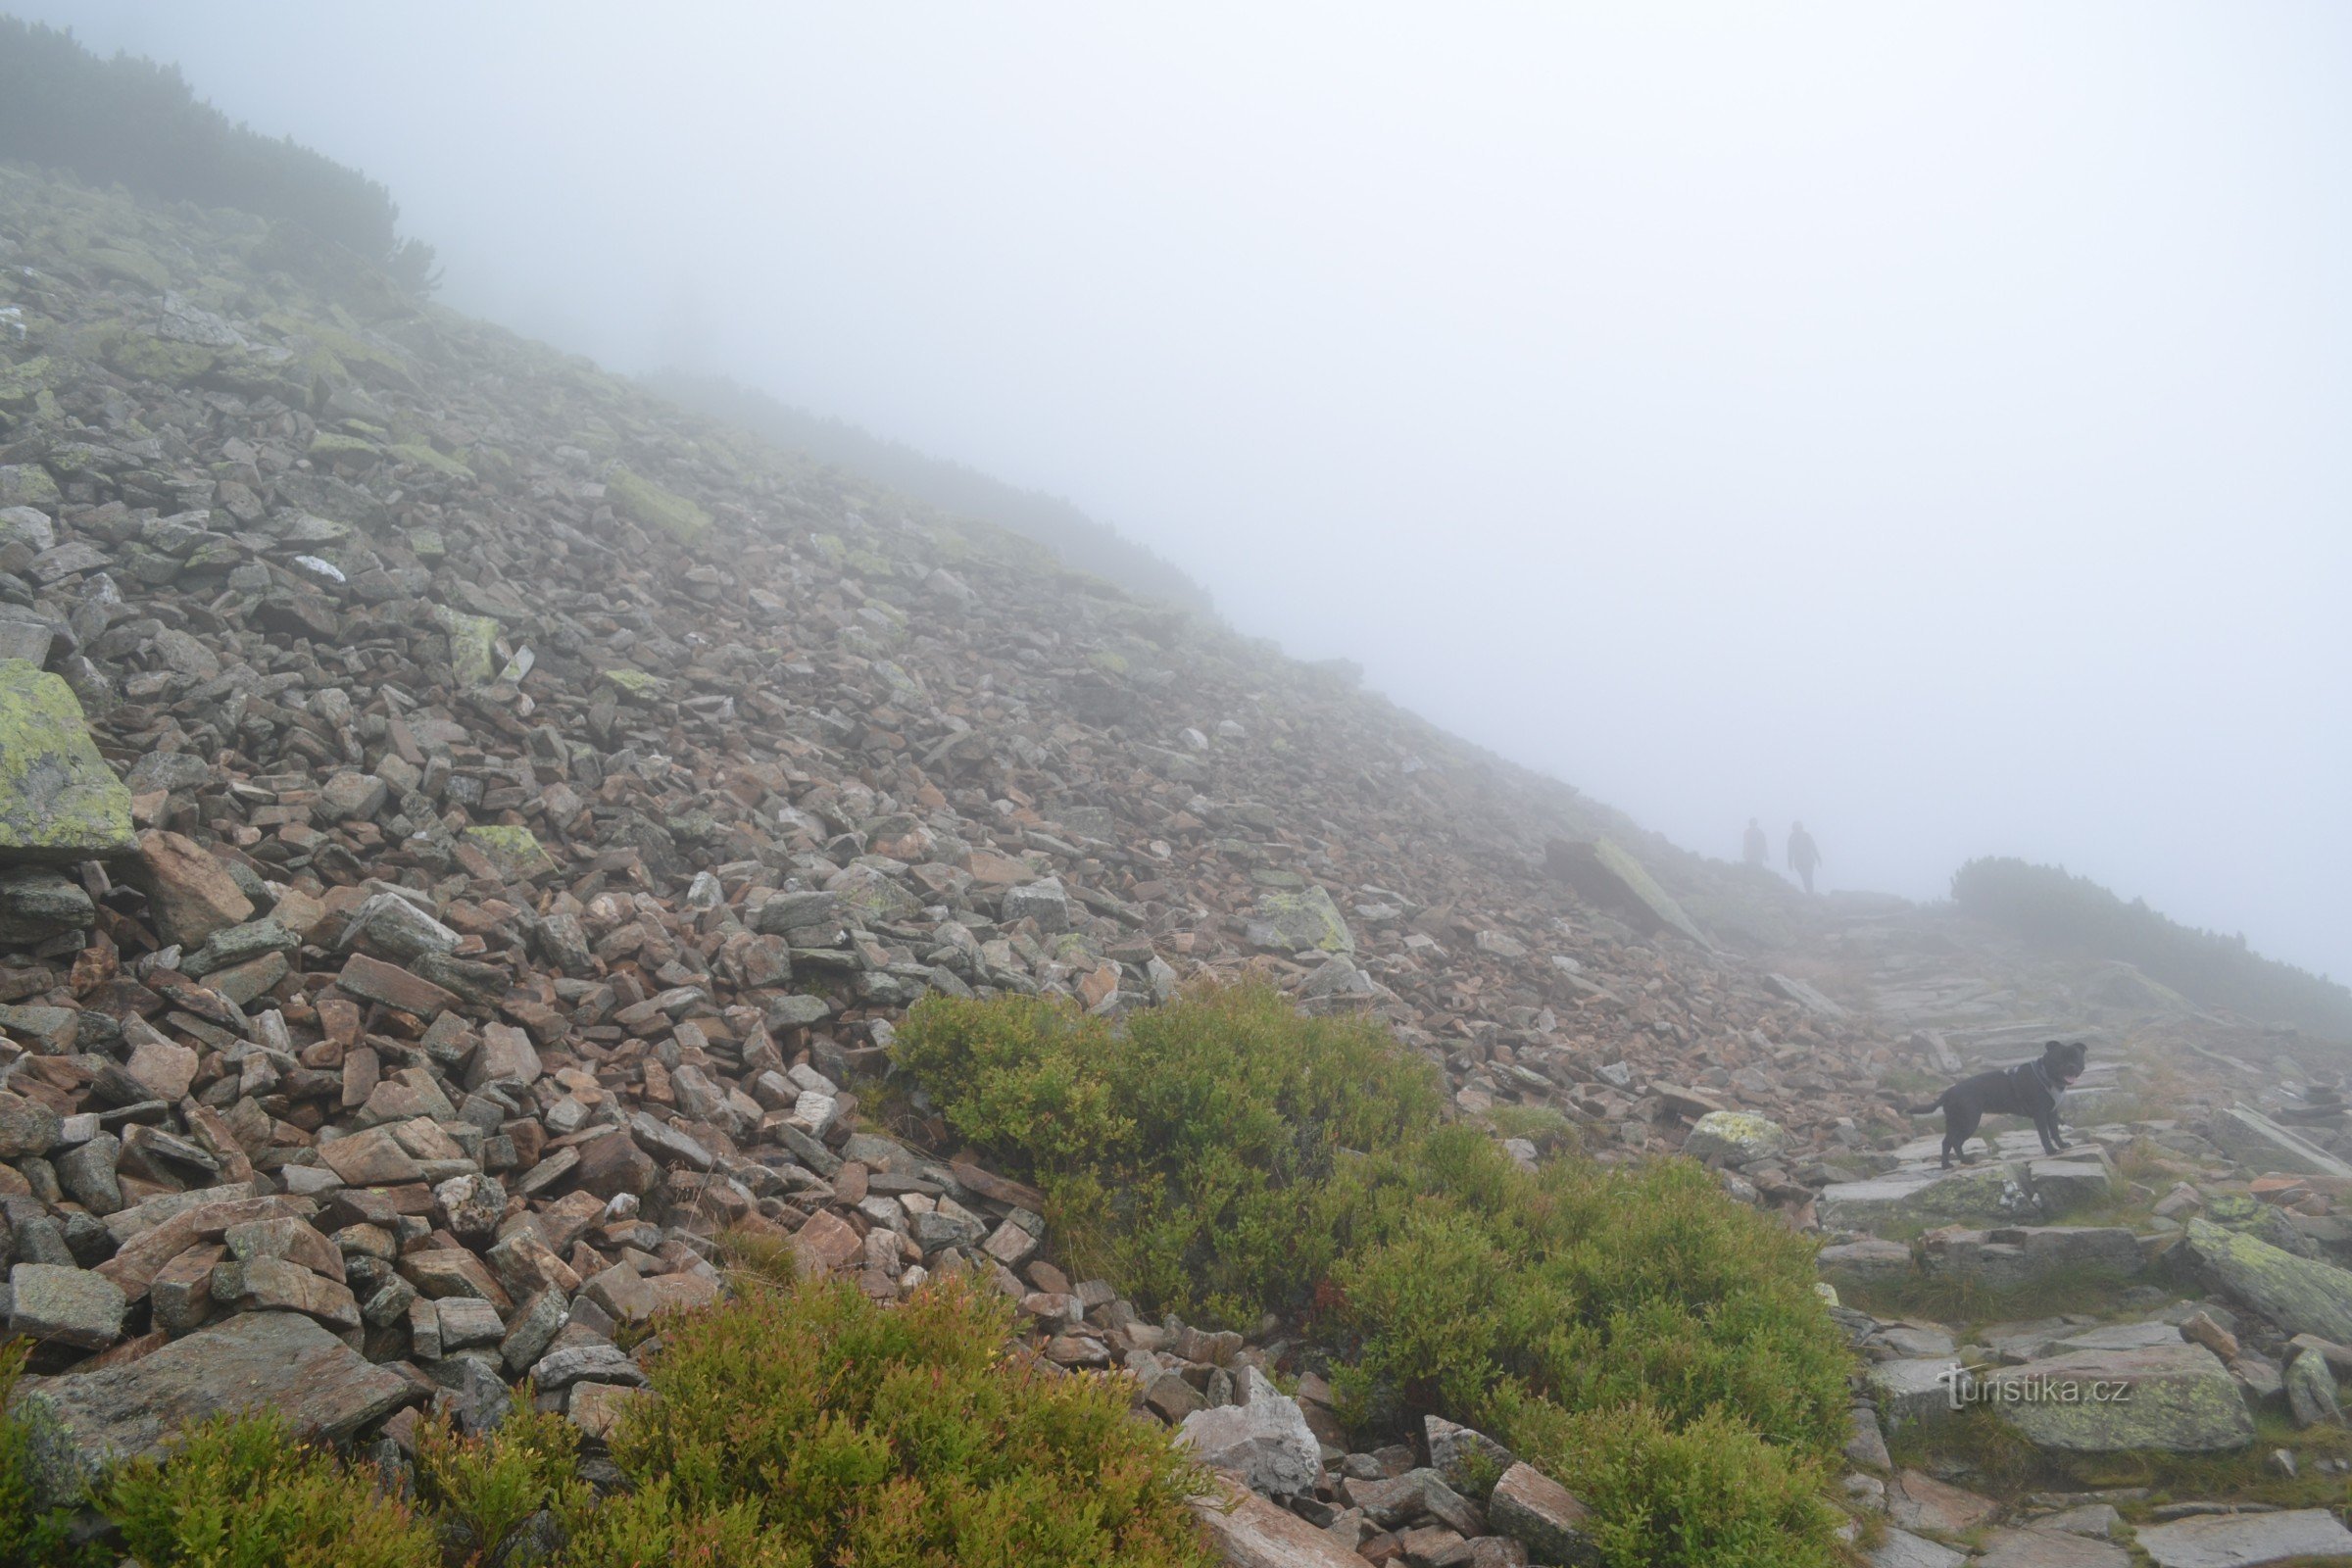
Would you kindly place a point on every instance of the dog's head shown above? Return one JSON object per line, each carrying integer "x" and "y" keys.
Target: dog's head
{"x": 2064, "y": 1060}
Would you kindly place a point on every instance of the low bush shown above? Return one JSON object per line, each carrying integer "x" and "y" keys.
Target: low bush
{"x": 1660, "y": 1346}
{"x": 800, "y": 1424}
{"x": 241, "y": 1492}
{"x": 31, "y": 1536}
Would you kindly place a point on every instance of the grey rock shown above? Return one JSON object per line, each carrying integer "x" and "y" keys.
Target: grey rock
{"x": 2311, "y": 1393}
{"x": 2177, "y": 1397}
{"x": 1548, "y": 1519}
{"x": 2250, "y": 1135}
{"x": 268, "y": 1361}
{"x": 1267, "y": 1443}
{"x": 37, "y": 903}
{"x": 2246, "y": 1541}
{"x": 2301, "y": 1295}
{"x": 26, "y": 1126}
{"x": 1043, "y": 901}
{"x": 64, "y": 1305}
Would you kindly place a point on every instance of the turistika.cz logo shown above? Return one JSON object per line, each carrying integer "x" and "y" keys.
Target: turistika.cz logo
{"x": 1964, "y": 1388}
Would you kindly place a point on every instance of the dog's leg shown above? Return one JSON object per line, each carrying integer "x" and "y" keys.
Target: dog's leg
{"x": 1963, "y": 1127}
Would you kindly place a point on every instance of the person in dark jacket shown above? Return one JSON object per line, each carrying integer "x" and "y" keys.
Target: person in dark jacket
{"x": 1803, "y": 853}
{"x": 1756, "y": 848}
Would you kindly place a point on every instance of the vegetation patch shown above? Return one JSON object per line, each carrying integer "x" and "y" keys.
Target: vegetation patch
{"x": 1654, "y": 1345}
{"x": 2045, "y": 905}
{"x": 800, "y": 1424}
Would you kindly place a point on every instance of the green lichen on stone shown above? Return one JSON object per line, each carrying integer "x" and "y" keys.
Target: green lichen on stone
{"x": 1643, "y": 886}
{"x": 426, "y": 456}
{"x": 1108, "y": 663}
{"x": 427, "y": 544}
{"x": 473, "y": 645}
{"x": 128, "y": 265}
{"x": 1734, "y": 1135}
{"x": 27, "y": 484}
{"x": 144, "y": 356}
{"x": 829, "y": 548}
{"x": 514, "y": 851}
{"x": 2174, "y": 1399}
{"x": 334, "y": 448}
{"x": 643, "y": 500}
{"x": 21, "y": 385}
{"x": 1305, "y": 921}
{"x": 633, "y": 682}
{"x": 59, "y": 800}
{"x": 2302, "y": 1295}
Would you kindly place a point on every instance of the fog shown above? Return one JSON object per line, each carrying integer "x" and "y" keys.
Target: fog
{"x": 1930, "y": 422}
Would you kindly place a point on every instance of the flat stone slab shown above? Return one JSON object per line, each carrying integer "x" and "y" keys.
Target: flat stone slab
{"x": 2247, "y": 1540}
{"x": 2050, "y": 1548}
{"x": 1988, "y": 1194}
{"x": 2178, "y": 1397}
{"x": 1904, "y": 1550}
{"x": 256, "y": 1360}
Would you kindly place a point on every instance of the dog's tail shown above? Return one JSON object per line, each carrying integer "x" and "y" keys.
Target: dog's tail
{"x": 1931, "y": 1107}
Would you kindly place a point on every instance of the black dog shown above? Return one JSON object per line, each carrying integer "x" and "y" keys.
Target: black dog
{"x": 2028, "y": 1089}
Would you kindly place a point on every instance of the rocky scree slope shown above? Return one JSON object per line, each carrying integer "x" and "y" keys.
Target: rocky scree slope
{"x": 483, "y": 820}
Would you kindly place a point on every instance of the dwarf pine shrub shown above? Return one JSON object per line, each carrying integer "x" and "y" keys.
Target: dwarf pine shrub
{"x": 242, "y": 1491}
{"x": 800, "y": 1425}
{"x": 1224, "y": 1156}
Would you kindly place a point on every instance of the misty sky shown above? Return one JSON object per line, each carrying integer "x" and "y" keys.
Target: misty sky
{"x": 1931, "y": 421}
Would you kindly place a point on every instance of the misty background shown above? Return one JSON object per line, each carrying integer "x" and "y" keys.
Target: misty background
{"x": 1929, "y": 424}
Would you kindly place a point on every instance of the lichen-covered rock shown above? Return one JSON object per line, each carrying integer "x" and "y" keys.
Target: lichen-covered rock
{"x": 637, "y": 497}
{"x": 1305, "y": 921}
{"x": 2301, "y": 1295}
{"x": 59, "y": 800}
{"x": 1736, "y": 1137}
{"x": 1605, "y": 875}
{"x": 2177, "y": 1399}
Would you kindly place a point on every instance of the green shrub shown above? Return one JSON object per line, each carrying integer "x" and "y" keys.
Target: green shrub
{"x": 1224, "y": 1156}
{"x": 828, "y": 1430}
{"x": 31, "y": 1536}
{"x": 1188, "y": 1156}
{"x": 1705, "y": 1491}
{"x": 486, "y": 1489}
{"x": 241, "y": 1492}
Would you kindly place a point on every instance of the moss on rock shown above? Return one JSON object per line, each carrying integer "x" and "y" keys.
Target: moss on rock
{"x": 59, "y": 800}
{"x": 643, "y": 500}
{"x": 514, "y": 851}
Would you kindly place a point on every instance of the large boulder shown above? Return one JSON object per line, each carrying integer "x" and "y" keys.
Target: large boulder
{"x": 1736, "y": 1137}
{"x": 2301, "y": 1295}
{"x": 59, "y": 800}
{"x": 1266, "y": 1442}
{"x": 282, "y": 1362}
{"x": 1300, "y": 922}
{"x": 1248, "y": 1531}
{"x": 2254, "y": 1139}
{"x": 2175, "y": 1397}
{"x": 1607, "y": 877}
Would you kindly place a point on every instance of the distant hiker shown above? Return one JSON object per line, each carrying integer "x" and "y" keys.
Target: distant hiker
{"x": 1757, "y": 849}
{"x": 1803, "y": 853}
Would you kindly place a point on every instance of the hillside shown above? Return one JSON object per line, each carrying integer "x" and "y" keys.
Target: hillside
{"x": 500, "y": 821}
